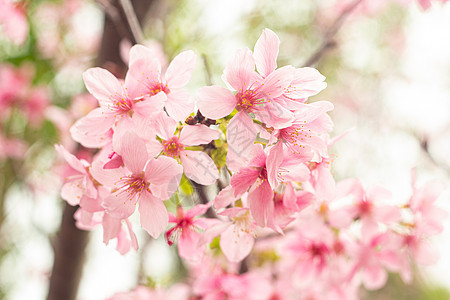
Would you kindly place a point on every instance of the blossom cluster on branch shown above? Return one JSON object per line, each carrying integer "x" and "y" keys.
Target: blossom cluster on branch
{"x": 282, "y": 228}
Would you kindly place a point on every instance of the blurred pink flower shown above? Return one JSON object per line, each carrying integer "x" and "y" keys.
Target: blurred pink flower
{"x": 13, "y": 21}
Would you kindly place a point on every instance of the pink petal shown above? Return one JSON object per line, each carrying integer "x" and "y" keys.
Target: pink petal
{"x": 275, "y": 115}
{"x": 307, "y": 82}
{"x": 225, "y": 197}
{"x": 266, "y": 52}
{"x": 111, "y": 228}
{"x": 236, "y": 244}
{"x": 424, "y": 253}
{"x": 91, "y": 204}
{"x": 73, "y": 190}
{"x": 387, "y": 214}
{"x": 277, "y": 81}
{"x": 119, "y": 205}
{"x": 133, "y": 152}
{"x": 153, "y": 214}
{"x": 102, "y": 85}
{"x": 242, "y": 180}
{"x": 325, "y": 185}
{"x": 374, "y": 277}
{"x": 114, "y": 163}
{"x": 134, "y": 242}
{"x": 71, "y": 159}
{"x": 309, "y": 112}
{"x": 143, "y": 77}
{"x": 261, "y": 205}
{"x": 150, "y": 105}
{"x": 164, "y": 126}
{"x": 123, "y": 243}
{"x": 188, "y": 247}
{"x": 162, "y": 170}
{"x": 241, "y": 133}
{"x": 199, "y": 167}
{"x": 197, "y": 210}
{"x": 138, "y": 52}
{"x": 179, "y": 71}
{"x": 164, "y": 175}
{"x": 292, "y": 171}
{"x": 209, "y": 234}
{"x": 215, "y": 102}
{"x": 240, "y": 71}
{"x": 179, "y": 104}
{"x": 193, "y": 135}
{"x": 274, "y": 160}
{"x": 107, "y": 177}
{"x": 92, "y": 130}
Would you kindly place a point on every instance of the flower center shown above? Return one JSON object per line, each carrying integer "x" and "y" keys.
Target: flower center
{"x": 159, "y": 87}
{"x": 365, "y": 207}
{"x": 172, "y": 147}
{"x": 133, "y": 185}
{"x": 122, "y": 105}
{"x": 248, "y": 100}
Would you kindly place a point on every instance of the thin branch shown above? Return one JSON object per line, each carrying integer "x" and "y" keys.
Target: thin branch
{"x": 425, "y": 148}
{"x": 132, "y": 20}
{"x": 328, "y": 41}
{"x": 208, "y": 75}
{"x": 201, "y": 192}
{"x": 114, "y": 15}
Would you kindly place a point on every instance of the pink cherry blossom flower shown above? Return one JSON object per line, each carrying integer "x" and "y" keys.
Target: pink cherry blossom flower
{"x": 236, "y": 236}
{"x": 261, "y": 176}
{"x": 373, "y": 253}
{"x": 254, "y": 92}
{"x": 367, "y": 205}
{"x": 145, "y": 79}
{"x": 140, "y": 181}
{"x": 35, "y": 105}
{"x": 197, "y": 165}
{"x": 80, "y": 184}
{"x": 427, "y": 216}
{"x": 426, "y": 4}
{"x": 286, "y": 204}
{"x": 310, "y": 247}
{"x": 112, "y": 229}
{"x": 13, "y": 21}
{"x": 116, "y": 105}
{"x": 187, "y": 231}
{"x": 310, "y": 121}
{"x": 12, "y": 147}
{"x": 251, "y": 286}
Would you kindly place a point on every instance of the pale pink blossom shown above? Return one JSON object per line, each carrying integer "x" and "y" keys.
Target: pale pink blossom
{"x": 373, "y": 254}
{"x": 12, "y": 147}
{"x": 187, "y": 231}
{"x": 80, "y": 183}
{"x": 237, "y": 236}
{"x": 261, "y": 175}
{"x": 144, "y": 79}
{"x": 368, "y": 205}
{"x": 13, "y": 21}
{"x": 116, "y": 107}
{"x": 197, "y": 165}
{"x": 251, "y": 286}
{"x": 143, "y": 181}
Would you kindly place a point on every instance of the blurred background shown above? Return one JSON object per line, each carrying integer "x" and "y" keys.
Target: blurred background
{"x": 387, "y": 64}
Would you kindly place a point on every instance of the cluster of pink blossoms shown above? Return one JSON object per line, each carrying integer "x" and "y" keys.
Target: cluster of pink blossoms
{"x": 282, "y": 228}
{"x": 18, "y": 97}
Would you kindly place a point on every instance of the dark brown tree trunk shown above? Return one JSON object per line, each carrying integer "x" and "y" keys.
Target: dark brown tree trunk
{"x": 69, "y": 249}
